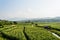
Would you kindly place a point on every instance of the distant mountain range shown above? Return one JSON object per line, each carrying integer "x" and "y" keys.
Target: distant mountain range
{"x": 47, "y": 19}
{"x": 17, "y": 19}
{"x": 56, "y": 19}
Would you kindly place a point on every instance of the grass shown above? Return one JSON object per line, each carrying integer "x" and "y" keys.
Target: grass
{"x": 34, "y": 33}
{"x": 15, "y": 32}
{"x": 39, "y": 34}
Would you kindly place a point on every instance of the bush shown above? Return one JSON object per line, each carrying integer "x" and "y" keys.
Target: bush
{"x": 1, "y": 25}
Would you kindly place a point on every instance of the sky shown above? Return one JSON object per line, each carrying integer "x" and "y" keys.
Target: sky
{"x": 29, "y": 8}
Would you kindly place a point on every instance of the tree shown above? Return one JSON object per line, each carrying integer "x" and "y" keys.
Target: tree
{"x": 15, "y": 22}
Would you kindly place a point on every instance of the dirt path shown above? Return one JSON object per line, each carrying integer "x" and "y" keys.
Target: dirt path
{"x": 25, "y": 34}
{"x": 56, "y": 35}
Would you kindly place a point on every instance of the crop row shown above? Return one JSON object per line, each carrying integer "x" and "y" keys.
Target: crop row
{"x": 39, "y": 34}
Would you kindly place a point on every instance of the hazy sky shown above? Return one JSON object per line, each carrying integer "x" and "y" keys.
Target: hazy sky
{"x": 29, "y": 8}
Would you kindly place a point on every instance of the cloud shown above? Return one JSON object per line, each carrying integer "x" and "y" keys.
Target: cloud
{"x": 16, "y": 14}
{"x": 32, "y": 9}
{"x": 29, "y": 10}
{"x": 29, "y": 13}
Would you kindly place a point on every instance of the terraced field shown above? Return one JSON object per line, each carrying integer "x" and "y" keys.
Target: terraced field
{"x": 18, "y": 32}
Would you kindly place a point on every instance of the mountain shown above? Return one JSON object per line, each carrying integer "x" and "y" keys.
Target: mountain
{"x": 56, "y": 19}
{"x": 18, "y": 19}
{"x": 47, "y": 19}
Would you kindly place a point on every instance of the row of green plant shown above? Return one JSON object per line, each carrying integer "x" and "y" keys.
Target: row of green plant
{"x": 56, "y": 32}
{"x": 15, "y": 32}
{"x": 35, "y": 33}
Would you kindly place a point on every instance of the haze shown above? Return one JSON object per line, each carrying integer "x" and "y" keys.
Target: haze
{"x": 29, "y": 8}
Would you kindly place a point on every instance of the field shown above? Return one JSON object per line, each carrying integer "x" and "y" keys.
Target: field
{"x": 30, "y": 32}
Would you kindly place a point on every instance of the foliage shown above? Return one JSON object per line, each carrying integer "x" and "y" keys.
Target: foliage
{"x": 34, "y": 33}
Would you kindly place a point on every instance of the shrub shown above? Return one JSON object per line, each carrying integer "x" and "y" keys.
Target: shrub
{"x": 1, "y": 25}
